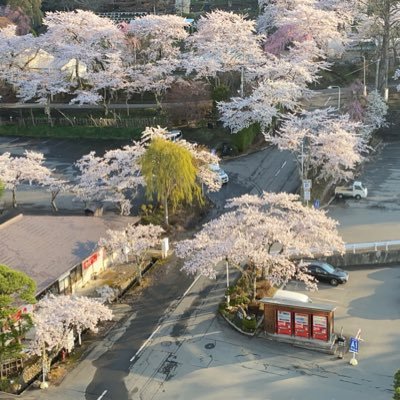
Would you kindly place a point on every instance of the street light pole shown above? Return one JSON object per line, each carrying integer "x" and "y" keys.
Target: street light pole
{"x": 228, "y": 297}
{"x": 364, "y": 75}
{"x": 241, "y": 82}
{"x": 338, "y": 88}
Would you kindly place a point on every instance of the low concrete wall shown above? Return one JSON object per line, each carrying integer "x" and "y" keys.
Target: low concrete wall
{"x": 365, "y": 258}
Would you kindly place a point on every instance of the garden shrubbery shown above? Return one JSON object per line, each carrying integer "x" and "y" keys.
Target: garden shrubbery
{"x": 244, "y": 139}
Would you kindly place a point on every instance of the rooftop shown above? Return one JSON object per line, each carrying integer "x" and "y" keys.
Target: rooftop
{"x": 45, "y": 247}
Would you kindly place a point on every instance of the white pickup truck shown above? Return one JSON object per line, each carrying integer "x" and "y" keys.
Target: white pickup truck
{"x": 355, "y": 189}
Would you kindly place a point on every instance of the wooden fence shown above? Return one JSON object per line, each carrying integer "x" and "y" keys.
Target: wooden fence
{"x": 11, "y": 367}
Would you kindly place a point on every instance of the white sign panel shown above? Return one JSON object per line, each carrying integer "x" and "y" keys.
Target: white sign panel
{"x": 307, "y": 195}
{"x": 307, "y": 184}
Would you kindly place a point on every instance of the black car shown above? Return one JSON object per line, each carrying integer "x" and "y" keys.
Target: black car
{"x": 325, "y": 272}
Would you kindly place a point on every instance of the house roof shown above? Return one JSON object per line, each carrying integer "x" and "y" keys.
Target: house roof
{"x": 293, "y": 303}
{"x": 45, "y": 247}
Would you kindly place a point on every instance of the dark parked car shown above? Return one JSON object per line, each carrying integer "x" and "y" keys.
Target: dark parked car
{"x": 325, "y": 272}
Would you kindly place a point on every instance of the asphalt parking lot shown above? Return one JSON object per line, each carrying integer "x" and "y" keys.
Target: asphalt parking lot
{"x": 370, "y": 301}
{"x": 211, "y": 361}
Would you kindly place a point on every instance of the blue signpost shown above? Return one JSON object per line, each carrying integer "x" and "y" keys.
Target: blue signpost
{"x": 316, "y": 203}
{"x": 353, "y": 345}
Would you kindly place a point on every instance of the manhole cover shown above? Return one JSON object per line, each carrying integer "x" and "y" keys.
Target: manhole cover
{"x": 209, "y": 346}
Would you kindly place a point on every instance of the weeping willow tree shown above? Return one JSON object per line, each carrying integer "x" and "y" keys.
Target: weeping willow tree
{"x": 170, "y": 171}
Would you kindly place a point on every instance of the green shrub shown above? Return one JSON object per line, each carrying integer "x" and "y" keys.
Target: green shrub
{"x": 220, "y": 93}
{"x": 239, "y": 300}
{"x": 243, "y": 139}
{"x": 249, "y": 323}
{"x": 396, "y": 385}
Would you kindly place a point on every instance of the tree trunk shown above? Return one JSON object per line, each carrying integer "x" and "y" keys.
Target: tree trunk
{"x": 166, "y": 211}
{"x": 253, "y": 297}
{"x": 14, "y": 197}
{"x": 54, "y": 194}
{"x": 139, "y": 271}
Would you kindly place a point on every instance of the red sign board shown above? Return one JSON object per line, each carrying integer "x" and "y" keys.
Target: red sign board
{"x": 320, "y": 330}
{"x": 301, "y": 325}
{"x": 90, "y": 260}
{"x": 284, "y": 323}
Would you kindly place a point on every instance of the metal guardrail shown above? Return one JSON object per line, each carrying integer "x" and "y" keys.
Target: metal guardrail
{"x": 372, "y": 246}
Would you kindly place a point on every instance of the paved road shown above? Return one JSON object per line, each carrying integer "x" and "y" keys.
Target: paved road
{"x": 268, "y": 169}
{"x": 194, "y": 354}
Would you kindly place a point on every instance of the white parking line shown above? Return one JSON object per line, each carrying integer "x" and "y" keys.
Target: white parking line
{"x": 320, "y": 298}
{"x": 102, "y": 395}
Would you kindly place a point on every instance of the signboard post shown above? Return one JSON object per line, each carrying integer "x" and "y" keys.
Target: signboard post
{"x": 353, "y": 347}
{"x": 307, "y": 185}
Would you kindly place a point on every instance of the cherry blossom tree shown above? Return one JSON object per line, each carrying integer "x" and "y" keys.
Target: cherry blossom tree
{"x": 223, "y": 42}
{"x": 268, "y": 232}
{"x": 55, "y": 186}
{"x": 93, "y": 42}
{"x": 375, "y": 113}
{"x": 55, "y": 317}
{"x": 153, "y": 52}
{"x": 296, "y": 21}
{"x": 136, "y": 240}
{"x": 111, "y": 177}
{"x": 28, "y": 168}
{"x": 326, "y": 145}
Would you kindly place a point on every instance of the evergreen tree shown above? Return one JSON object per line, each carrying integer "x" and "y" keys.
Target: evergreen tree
{"x": 16, "y": 290}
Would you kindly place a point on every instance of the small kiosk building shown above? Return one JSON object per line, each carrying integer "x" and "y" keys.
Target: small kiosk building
{"x": 298, "y": 320}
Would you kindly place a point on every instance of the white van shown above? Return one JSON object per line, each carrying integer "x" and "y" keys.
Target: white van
{"x": 222, "y": 175}
{"x": 288, "y": 295}
{"x": 174, "y": 135}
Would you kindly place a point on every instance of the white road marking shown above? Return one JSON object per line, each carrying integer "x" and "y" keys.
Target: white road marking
{"x": 145, "y": 343}
{"x": 102, "y": 395}
{"x": 279, "y": 170}
{"x": 159, "y": 326}
{"x": 193, "y": 283}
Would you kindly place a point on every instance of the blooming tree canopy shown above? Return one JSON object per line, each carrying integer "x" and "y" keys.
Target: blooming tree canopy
{"x": 153, "y": 52}
{"x": 56, "y": 316}
{"x": 110, "y": 177}
{"x": 296, "y": 21}
{"x": 325, "y": 145}
{"x": 90, "y": 41}
{"x": 223, "y": 42}
{"x": 134, "y": 240}
{"x": 28, "y": 168}
{"x": 268, "y": 232}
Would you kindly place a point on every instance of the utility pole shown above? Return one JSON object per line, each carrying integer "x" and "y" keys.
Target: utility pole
{"x": 377, "y": 74}
{"x": 364, "y": 76}
{"x": 242, "y": 82}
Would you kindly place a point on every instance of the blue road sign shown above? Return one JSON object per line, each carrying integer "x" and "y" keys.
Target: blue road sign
{"x": 353, "y": 345}
{"x": 316, "y": 203}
